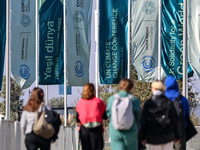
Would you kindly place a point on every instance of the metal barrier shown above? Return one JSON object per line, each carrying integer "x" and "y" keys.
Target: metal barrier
{"x": 194, "y": 143}
{"x": 12, "y": 139}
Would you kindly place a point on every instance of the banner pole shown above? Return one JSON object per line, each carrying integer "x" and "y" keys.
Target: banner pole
{"x": 97, "y": 46}
{"x": 185, "y": 75}
{"x": 129, "y": 67}
{"x": 159, "y": 40}
{"x": 46, "y": 94}
{"x": 65, "y": 62}
{"x": 7, "y": 117}
{"x": 37, "y": 41}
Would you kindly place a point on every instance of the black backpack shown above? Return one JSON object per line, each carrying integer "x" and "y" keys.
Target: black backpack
{"x": 54, "y": 119}
{"x": 160, "y": 115}
{"x": 179, "y": 112}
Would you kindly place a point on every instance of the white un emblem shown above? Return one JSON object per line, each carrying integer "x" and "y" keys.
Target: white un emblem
{"x": 79, "y": 69}
{"x": 78, "y": 16}
{"x": 149, "y": 7}
{"x": 148, "y": 63}
{"x": 25, "y": 20}
{"x": 24, "y": 71}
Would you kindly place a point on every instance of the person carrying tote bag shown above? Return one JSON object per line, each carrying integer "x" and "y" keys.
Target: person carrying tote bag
{"x": 41, "y": 127}
{"x": 34, "y": 105}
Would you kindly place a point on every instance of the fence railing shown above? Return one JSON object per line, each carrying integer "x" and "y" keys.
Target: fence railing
{"x": 12, "y": 139}
{"x": 194, "y": 143}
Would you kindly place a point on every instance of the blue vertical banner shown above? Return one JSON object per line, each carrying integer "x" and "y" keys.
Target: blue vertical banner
{"x": 51, "y": 64}
{"x": 172, "y": 39}
{"x": 61, "y": 89}
{"x": 144, "y": 39}
{"x": 22, "y": 41}
{"x": 78, "y": 38}
{"x": 113, "y": 31}
{"x": 2, "y": 37}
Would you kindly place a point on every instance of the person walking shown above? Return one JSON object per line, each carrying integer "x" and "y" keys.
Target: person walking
{"x": 158, "y": 122}
{"x": 172, "y": 92}
{"x": 123, "y": 111}
{"x": 33, "y": 141}
{"x": 90, "y": 112}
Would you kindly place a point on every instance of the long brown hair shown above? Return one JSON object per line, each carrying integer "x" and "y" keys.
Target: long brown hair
{"x": 88, "y": 91}
{"x": 35, "y": 100}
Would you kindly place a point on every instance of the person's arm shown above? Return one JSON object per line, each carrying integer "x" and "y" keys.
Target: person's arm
{"x": 136, "y": 109}
{"x": 187, "y": 108}
{"x": 77, "y": 117}
{"x": 143, "y": 123}
{"x": 109, "y": 106}
{"x": 104, "y": 116}
{"x": 23, "y": 122}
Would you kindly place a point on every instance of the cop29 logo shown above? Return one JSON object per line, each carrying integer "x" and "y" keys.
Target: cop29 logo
{"x": 148, "y": 63}
{"x": 79, "y": 16}
{"x": 79, "y": 72}
{"x": 149, "y": 7}
{"x": 24, "y": 71}
{"x": 25, "y": 20}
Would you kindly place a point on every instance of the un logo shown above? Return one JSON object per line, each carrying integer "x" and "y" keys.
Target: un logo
{"x": 79, "y": 16}
{"x": 79, "y": 69}
{"x": 149, "y": 7}
{"x": 24, "y": 71}
{"x": 148, "y": 63}
{"x": 25, "y": 20}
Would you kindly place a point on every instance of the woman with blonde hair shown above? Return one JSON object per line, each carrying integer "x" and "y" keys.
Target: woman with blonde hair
{"x": 122, "y": 139}
{"x": 33, "y": 141}
{"x": 90, "y": 112}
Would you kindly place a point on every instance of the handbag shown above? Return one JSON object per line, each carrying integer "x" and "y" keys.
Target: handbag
{"x": 190, "y": 129}
{"x": 41, "y": 127}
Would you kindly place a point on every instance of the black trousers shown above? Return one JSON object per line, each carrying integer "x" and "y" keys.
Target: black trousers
{"x": 91, "y": 138}
{"x": 33, "y": 142}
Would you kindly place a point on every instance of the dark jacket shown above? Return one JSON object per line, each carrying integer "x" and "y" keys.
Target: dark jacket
{"x": 151, "y": 129}
{"x": 172, "y": 92}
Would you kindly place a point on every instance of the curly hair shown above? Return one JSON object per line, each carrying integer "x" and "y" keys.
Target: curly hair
{"x": 35, "y": 100}
{"x": 88, "y": 91}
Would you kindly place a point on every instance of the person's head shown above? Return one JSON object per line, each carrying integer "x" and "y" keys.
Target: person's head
{"x": 126, "y": 85}
{"x": 172, "y": 89}
{"x": 171, "y": 83}
{"x": 88, "y": 91}
{"x": 35, "y": 100}
{"x": 157, "y": 85}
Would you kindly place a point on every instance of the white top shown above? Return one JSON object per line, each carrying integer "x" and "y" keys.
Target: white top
{"x": 28, "y": 119}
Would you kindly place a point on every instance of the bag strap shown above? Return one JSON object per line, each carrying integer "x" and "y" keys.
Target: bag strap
{"x": 130, "y": 96}
{"x": 117, "y": 96}
{"x": 42, "y": 108}
{"x": 178, "y": 97}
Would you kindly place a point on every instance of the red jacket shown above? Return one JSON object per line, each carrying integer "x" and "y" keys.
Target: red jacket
{"x": 90, "y": 110}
